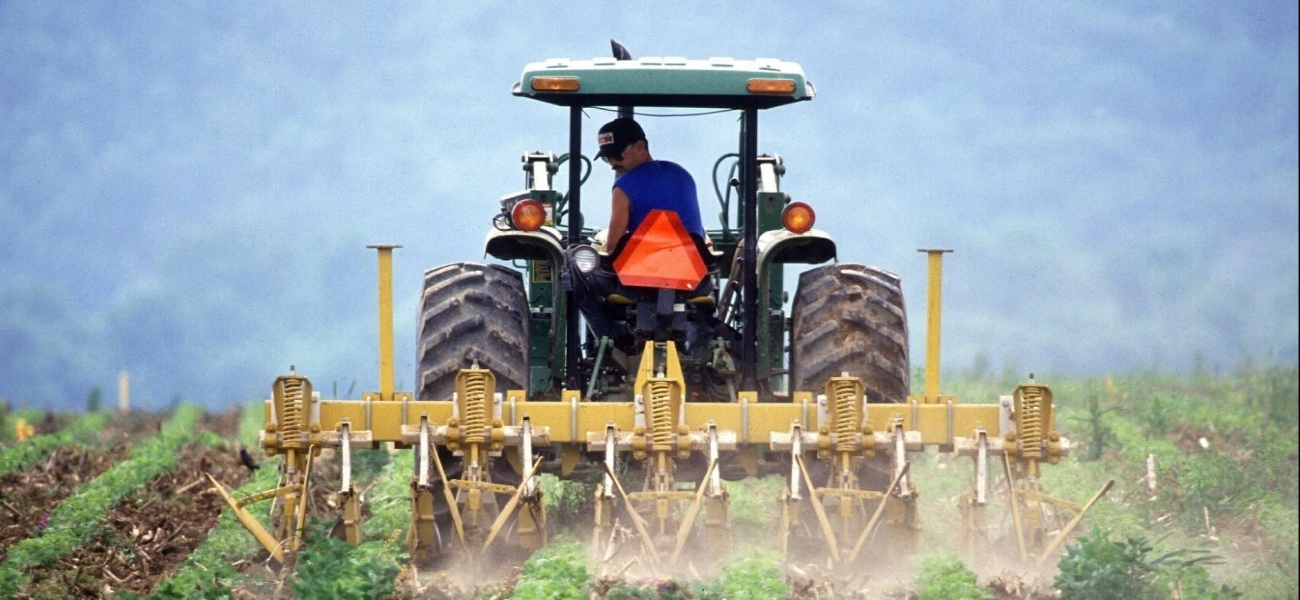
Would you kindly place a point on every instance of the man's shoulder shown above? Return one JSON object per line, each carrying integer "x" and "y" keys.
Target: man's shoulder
{"x": 667, "y": 167}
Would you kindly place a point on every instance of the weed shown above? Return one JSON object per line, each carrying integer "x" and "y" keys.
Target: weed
{"x": 332, "y": 568}
{"x": 559, "y": 571}
{"x": 946, "y": 577}
{"x": 1099, "y": 567}
{"x": 756, "y": 575}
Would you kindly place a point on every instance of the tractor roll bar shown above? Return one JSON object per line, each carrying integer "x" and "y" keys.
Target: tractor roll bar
{"x": 749, "y": 242}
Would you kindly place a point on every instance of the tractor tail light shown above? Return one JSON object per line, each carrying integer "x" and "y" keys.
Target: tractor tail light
{"x": 528, "y": 215}
{"x": 798, "y": 217}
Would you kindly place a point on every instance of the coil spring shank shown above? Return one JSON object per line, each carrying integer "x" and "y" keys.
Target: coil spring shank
{"x": 1031, "y": 422}
{"x": 846, "y": 416}
{"x": 291, "y": 412}
{"x": 661, "y": 414}
{"x": 475, "y": 404}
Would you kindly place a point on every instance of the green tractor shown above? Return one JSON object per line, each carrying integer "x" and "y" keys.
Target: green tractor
{"x": 523, "y": 325}
{"x": 651, "y": 400}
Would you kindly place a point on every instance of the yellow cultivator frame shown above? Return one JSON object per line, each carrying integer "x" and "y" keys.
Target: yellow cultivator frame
{"x": 829, "y": 431}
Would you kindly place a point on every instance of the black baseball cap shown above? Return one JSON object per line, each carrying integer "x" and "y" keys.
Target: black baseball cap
{"x": 615, "y": 135}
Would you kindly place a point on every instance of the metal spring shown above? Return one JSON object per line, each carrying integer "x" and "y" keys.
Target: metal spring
{"x": 661, "y": 414}
{"x": 291, "y": 403}
{"x": 846, "y": 416}
{"x": 1031, "y": 422}
{"x": 475, "y": 415}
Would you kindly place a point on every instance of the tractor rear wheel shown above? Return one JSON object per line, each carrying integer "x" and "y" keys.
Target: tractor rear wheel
{"x": 850, "y": 318}
{"x": 471, "y": 313}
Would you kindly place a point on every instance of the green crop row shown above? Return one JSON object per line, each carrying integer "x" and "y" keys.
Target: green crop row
{"x": 23, "y": 455}
{"x": 331, "y": 568}
{"x": 79, "y": 516}
{"x": 208, "y": 572}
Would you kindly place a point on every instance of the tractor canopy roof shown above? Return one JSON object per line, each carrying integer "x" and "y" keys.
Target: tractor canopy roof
{"x": 665, "y": 81}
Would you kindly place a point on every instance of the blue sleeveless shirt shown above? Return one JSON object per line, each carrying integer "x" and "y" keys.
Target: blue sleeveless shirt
{"x": 664, "y": 185}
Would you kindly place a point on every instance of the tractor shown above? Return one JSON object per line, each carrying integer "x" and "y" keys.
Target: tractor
{"x": 713, "y": 376}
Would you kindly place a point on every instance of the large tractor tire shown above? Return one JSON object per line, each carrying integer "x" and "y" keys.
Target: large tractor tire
{"x": 471, "y": 313}
{"x": 850, "y": 318}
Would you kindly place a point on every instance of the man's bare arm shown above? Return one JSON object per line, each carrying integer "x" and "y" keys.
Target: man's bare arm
{"x": 619, "y": 213}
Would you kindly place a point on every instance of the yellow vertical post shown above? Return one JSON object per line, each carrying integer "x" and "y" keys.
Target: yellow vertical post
{"x": 933, "y": 310}
{"x": 385, "y": 320}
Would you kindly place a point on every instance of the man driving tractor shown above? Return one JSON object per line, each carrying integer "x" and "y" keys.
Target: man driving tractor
{"x": 641, "y": 185}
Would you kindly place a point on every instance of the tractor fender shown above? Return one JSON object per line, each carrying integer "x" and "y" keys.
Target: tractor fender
{"x": 512, "y": 244}
{"x": 780, "y": 246}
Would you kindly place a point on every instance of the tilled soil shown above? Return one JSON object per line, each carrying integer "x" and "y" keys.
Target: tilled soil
{"x": 147, "y": 535}
{"x": 28, "y": 497}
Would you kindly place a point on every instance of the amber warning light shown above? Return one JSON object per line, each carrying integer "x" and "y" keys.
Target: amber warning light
{"x": 798, "y": 217}
{"x": 555, "y": 84}
{"x": 770, "y": 86}
{"x": 528, "y": 215}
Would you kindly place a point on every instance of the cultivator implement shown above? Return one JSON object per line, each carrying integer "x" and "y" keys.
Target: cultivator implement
{"x": 848, "y": 493}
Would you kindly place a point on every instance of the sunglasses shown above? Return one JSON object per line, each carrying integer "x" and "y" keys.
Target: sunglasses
{"x": 617, "y": 157}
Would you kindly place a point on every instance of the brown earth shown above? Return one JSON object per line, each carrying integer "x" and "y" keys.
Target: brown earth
{"x": 148, "y": 534}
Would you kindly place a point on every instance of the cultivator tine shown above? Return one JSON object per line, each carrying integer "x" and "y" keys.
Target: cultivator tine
{"x": 973, "y": 526}
{"x": 1015, "y": 508}
{"x": 880, "y": 510}
{"x": 348, "y": 490}
{"x": 510, "y": 506}
{"x": 604, "y": 501}
{"x": 530, "y": 526}
{"x": 820, "y": 511}
{"x": 423, "y": 533}
{"x": 301, "y": 506}
{"x": 452, "y": 507}
{"x": 688, "y": 521}
{"x": 1060, "y": 537}
{"x": 637, "y": 521}
{"x": 250, "y": 522}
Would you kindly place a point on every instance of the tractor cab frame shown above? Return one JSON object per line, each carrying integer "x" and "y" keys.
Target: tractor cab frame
{"x": 750, "y": 252}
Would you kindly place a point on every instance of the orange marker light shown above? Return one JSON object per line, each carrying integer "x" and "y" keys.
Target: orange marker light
{"x": 798, "y": 217}
{"x": 528, "y": 215}
{"x": 770, "y": 86}
{"x": 556, "y": 84}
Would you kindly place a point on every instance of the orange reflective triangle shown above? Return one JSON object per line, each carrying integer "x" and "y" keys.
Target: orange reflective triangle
{"x": 660, "y": 254}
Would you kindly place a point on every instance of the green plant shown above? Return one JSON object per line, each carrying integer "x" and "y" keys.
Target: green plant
{"x": 1099, "y": 435}
{"x": 332, "y": 568}
{"x": 1157, "y": 416}
{"x": 557, "y": 572}
{"x": 94, "y": 399}
{"x": 1101, "y": 568}
{"x": 755, "y": 575}
{"x": 565, "y": 499}
{"x": 947, "y": 578}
